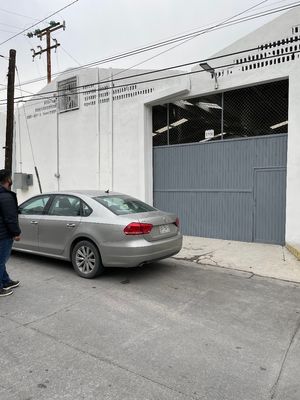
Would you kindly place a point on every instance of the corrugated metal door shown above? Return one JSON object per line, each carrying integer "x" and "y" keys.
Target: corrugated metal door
{"x": 269, "y": 211}
{"x": 213, "y": 187}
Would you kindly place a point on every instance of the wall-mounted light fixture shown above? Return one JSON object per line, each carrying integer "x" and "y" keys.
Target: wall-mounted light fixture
{"x": 206, "y": 67}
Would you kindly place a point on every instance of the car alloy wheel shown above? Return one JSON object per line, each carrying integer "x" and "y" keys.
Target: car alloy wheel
{"x": 86, "y": 259}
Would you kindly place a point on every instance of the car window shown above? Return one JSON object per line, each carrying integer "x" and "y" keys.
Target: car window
{"x": 86, "y": 210}
{"x": 34, "y": 206}
{"x": 64, "y": 205}
{"x": 121, "y": 204}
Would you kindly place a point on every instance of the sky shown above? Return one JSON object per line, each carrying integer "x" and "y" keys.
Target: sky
{"x": 97, "y": 29}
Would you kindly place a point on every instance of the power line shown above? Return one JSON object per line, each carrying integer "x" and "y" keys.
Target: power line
{"x": 30, "y": 142}
{"x": 190, "y": 35}
{"x": 10, "y": 26}
{"x": 42, "y": 20}
{"x": 99, "y": 89}
{"x": 110, "y": 81}
{"x": 189, "y": 39}
{"x": 17, "y": 14}
{"x": 174, "y": 40}
{"x": 180, "y": 44}
{"x": 4, "y": 30}
{"x": 221, "y": 23}
{"x": 74, "y": 59}
{"x": 21, "y": 90}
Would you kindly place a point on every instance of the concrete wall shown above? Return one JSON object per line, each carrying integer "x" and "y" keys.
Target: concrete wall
{"x": 2, "y": 137}
{"x": 236, "y": 76}
{"x": 293, "y": 166}
{"x": 109, "y": 144}
{"x": 104, "y": 144}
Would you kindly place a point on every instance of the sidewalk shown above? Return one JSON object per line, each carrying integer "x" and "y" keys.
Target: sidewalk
{"x": 266, "y": 260}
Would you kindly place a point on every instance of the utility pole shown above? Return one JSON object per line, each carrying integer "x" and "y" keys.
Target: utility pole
{"x": 10, "y": 110}
{"x": 54, "y": 26}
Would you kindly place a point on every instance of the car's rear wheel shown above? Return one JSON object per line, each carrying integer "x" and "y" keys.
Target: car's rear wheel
{"x": 86, "y": 259}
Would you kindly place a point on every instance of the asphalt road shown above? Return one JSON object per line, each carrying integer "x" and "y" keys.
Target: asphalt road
{"x": 167, "y": 331}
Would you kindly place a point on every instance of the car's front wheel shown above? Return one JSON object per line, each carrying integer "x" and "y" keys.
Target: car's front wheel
{"x": 86, "y": 259}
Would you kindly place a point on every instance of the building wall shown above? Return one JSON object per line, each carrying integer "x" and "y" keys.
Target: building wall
{"x": 105, "y": 144}
{"x": 237, "y": 76}
{"x": 2, "y": 138}
{"x": 293, "y": 165}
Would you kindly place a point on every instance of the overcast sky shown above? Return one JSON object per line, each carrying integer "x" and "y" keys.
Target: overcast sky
{"x": 96, "y": 29}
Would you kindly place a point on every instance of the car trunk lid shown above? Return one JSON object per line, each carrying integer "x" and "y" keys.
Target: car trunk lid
{"x": 164, "y": 224}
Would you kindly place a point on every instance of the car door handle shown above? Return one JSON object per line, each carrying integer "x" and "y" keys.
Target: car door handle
{"x": 34, "y": 222}
{"x": 71, "y": 225}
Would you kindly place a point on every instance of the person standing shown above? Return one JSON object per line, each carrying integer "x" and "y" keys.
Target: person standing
{"x": 9, "y": 230}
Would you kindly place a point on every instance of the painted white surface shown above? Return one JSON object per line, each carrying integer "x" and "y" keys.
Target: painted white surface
{"x": 109, "y": 145}
{"x": 100, "y": 145}
{"x": 233, "y": 77}
{"x": 293, "y": 163}
{"x": 2, "y": 138}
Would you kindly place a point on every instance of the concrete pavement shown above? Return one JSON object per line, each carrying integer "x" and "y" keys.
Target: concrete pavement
{"x": 266, "y": 260}
{"x": 172, "y": 330}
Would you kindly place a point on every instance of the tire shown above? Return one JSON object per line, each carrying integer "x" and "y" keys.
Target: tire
{"x": 86, "y": 260}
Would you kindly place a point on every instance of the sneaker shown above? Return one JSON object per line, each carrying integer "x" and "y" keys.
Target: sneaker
{"x": 11, "y": 284}
{"x": 5, "y": 292}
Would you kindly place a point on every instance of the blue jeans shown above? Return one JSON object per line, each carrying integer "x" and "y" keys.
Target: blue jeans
{"x": 5, "y": 250}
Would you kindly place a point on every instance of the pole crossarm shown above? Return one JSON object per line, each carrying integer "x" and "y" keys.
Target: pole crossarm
{"x": 40, "y": 33}
{"x": 40, "y": 52}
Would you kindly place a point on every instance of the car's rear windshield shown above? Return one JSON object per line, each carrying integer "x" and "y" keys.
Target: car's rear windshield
{"x": 121, "y": 205}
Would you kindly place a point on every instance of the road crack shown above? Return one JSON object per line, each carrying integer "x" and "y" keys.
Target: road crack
{"x": 274, "y": 388}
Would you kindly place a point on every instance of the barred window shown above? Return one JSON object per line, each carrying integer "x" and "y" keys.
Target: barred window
{"x": 68, "y": 96}
{"x": 257, "y": 110}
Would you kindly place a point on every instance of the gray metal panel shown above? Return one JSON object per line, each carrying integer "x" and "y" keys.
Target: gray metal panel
{"x": 269, "y": 214}
{"x": 211, "y": 185}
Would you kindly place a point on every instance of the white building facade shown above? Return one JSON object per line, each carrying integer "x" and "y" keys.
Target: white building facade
{"x": 97, "y": 132}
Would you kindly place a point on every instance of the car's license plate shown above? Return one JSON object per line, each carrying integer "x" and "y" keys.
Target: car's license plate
{"x": 164, "y": 229}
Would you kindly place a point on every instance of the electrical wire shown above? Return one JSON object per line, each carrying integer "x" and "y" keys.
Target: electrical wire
{"x": 42, "y": 20}
{"x": 99, "y": 89}
{"x": 164, "y": 43}
{"x": 21, "y": 90}
{"x": 17, "y": 14}
{"x": 10, "y": 26}
{"x": 189, "y": 39}
{"x": 3, "y": 30}
{"x": 74, "y": 59}
{"x": 30, "y": 142}
{"x": 111, "y": 81}
{"x": 27, "y": 127}
{"x": 185, "y": 41}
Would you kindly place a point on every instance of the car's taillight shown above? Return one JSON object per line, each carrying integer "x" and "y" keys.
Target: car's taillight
{"x": 138, "y": 228}
{"x": 177, "y": 222}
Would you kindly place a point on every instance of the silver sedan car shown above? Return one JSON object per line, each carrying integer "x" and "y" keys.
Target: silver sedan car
{"x": 96, "y": 229}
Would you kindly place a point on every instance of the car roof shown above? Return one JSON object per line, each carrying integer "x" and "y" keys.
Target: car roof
{"x": 88, "y": 193}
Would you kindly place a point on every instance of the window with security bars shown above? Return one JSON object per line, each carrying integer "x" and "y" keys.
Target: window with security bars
{"x": 68, "y": 96}
{"x": 251, "y": 111}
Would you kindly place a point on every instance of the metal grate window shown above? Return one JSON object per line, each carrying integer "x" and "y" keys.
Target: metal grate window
{"x": 251, "y": 111}
{"x": 68, "y": 96}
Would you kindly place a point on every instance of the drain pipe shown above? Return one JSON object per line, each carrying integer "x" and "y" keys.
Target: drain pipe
{"x": 111, "y": 142}
{"x": 98, "y": 129}
{"x": 57, "y": 174}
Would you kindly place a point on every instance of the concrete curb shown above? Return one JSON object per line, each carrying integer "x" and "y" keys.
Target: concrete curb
{"x": 265, "y": 260}
{"x": 293, "y": 250}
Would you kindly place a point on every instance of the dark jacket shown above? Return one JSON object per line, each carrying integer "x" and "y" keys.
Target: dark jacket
{"x": 9, "y": 225}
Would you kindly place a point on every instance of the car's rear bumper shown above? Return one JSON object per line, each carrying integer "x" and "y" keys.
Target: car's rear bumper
{"x": 139, "y": 251}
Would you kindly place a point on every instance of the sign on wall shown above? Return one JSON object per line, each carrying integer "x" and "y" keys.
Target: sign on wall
{"x": 209, "y": 133}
